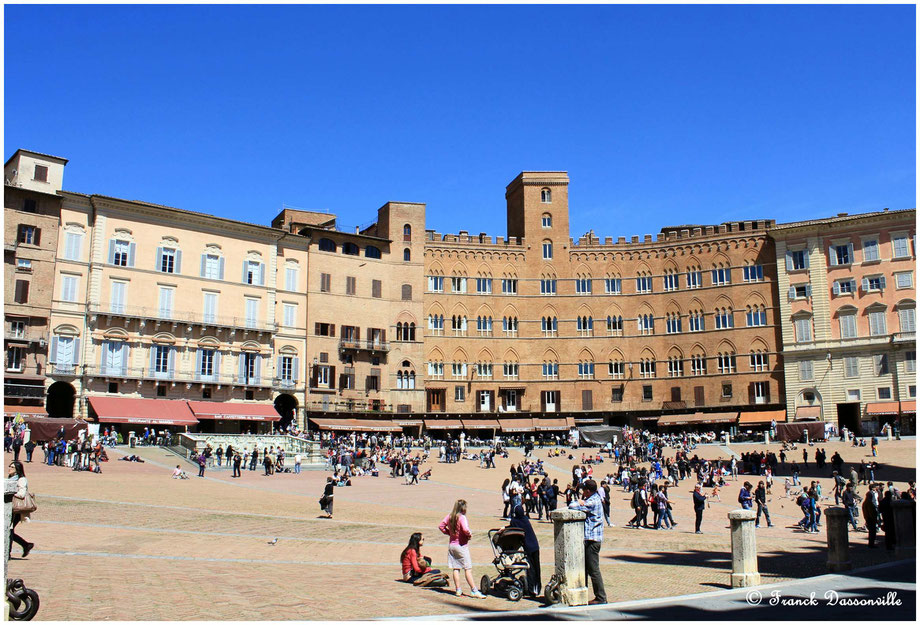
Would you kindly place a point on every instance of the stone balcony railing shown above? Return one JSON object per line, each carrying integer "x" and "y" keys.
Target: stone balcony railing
{"x": 186, "y": 317}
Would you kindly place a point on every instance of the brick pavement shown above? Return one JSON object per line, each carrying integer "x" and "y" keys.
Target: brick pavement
{"x": 133, "y": 544}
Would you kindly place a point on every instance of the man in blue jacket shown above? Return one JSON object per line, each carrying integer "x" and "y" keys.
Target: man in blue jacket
{"x": 593, "y": 507}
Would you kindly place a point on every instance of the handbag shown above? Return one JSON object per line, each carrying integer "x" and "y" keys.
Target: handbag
{"x": 24, "y": 505}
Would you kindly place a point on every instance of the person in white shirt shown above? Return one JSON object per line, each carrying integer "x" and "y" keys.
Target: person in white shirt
{"x": 297, "y": 461}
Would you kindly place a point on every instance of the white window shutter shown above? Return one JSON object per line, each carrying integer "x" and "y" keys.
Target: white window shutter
{"x": 112, "y": 252}
{"x": 295, "y": 369}
{"x": 171, "y": 362}
{"x": 159, "y": 264}
{"x": 204, "y": 262}
{"x": 178, "y": 267}
{"x": 865, "y": 284}
{"x": 220, "y": 268}
{"x": 132, "y": 248}
{"x": 807, "y": 260}
{"x": 258, "y": 367}
{"x": 242, "y": 365}
{"x": 832, "y": 253}
{"x": 788, "y": 263}
{"x": 261, "y": 274}
{"x": 76, "y": 351}
{"x": 106, "y": 356}
{"x": 882, "y": 282}
{"x": 52, "y": 352}
{"x": 850, "y": 252}
{"x": 217, "y": 363}
{"x": 245, "y": 271}
{"x": 807, "y": 290}
{"x": 153, "y": 357}
{"x": 791, "y": 292}
{"x": 836, "y": 288}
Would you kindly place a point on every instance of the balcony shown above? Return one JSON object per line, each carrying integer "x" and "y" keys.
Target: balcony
{"x": 904, "y": 337}
{"x": 23, "y": 390}
{"x": 63, "y": 369}
{"x": 26, "y": 337}
{"x": 146, "y": 373}
{"x": 191, "y": 318}
{"x": 368, "y": 345}
{"x": 287, "y": 384}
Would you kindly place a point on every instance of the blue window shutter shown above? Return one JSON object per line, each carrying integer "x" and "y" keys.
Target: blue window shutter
{"x": 245, "y": 267}
{"x": 171, "y": 361}
{"x": 76, "y": 351}
{"x": 789, "y": 261}
{"x": 52, "y": 353}
{"x": 807, "y": 290}
{"x": 278, "y": 368}
{"x": 882, "y": 282}
{"x": 242, "y": 365}
{"x": 807, "y": 260}
{"x": 153, "y": 356}
{"x": 792, "y": 292}
{"x": 112, "y": 252}
{"x": 261, "y": 274}
{"x": 836, "y": 288}
{"x": 204, "y": 261}
{"x": 105, "y": 357}
{"x": 295, "y": 369}
{"x": 132, "y": 247}
{"x": 217, "y": 364}
{"x": 126, "y": 358}
{"x": 850, "y": 251}
{"x": 198, "y": 358}
{"x": 832, "y": 253}
{"x": 731, "y": 320}
{"x": 258, "y": 367}
{"x": 865, "y": 284}
{"x": 159, "y": 265}
{"x": 220, "y": 268}
{"x": 178, "y": 261}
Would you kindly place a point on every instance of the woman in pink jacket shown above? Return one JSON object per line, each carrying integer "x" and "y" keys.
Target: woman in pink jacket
{"x": 458, "y": 551}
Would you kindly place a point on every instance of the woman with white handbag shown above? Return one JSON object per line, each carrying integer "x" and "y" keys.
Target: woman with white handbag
{"x": 23, "y": 506}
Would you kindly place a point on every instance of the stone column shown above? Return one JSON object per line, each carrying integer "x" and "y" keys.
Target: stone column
{"x": 569, "y": 546}
{"x": 905, "y": 526}
{"x": 744, "y": 549}
{"x": 838, "y": 539}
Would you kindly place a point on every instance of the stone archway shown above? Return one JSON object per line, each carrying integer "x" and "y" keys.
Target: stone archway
{"x": 286, "y": 405}
{"x": 61, "y": 399}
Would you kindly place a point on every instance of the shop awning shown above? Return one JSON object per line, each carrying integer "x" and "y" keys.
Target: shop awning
{"x": 543, "y": 425}
{"x": 880, "y": 408}
{"x": 355, "y": 425}
{"x": 233, "y": 410}
{"x": 807, "y": 412}
{"x": 143, "y": 411}
{"x": 480, "y": 424}
{"x": 443, "y": 424}
{"x": 762, "y": 417}
{"x": 516, "y": 425}
{"x": 407, "y": 422}
{"x": 36, "y": 411}
{"x": 698, "y": 418}
{"x": 909, "y": 407}
{"x": 589, "y": 420}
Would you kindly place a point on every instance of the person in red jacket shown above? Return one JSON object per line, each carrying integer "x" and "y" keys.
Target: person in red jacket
{"x": 414, "y": 565}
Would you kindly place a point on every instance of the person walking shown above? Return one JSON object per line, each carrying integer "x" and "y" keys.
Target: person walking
{"x": 744, "y": 496}
{"x": 30, "y": 447}
{"x": 848, "y": 499}
{"x": 456, "y": 527}
{"x": 202, "y": 461}
{"x": 506, "y": 497}
{"x": 887, "y": 513}
{"x": 237, "y": 463}
{"x": 254, "y": 458}
{"x": 871, "y": 514}
{"x": 592, "y": 506}
{"x": 699, "y": 504}
{"x": 298, "y": 460}
{"x": 327, "y": 499}
{"x": 520, "y": 520}
{"x": 20, "y": 501}
{"x": 760, "y": 498}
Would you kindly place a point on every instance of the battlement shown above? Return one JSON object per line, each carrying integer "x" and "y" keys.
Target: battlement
{"x": 476, "y": 239}
{"x": 678, "y": 233}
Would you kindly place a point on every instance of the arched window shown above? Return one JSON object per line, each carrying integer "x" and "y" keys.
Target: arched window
{"x": 371, "y": 252}
{"x": 546, "y": 195}
{"x": 547, "y": 220}
{"x": 326, "y": 245}
{"x": 351, "y": 249}
{"x": 407, "y": 254}
{"x": 547, "y": 250}
{"x": 407, "y": 232}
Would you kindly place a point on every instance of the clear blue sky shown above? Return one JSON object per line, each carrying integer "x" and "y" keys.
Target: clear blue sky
{"x": 660, "y": 114}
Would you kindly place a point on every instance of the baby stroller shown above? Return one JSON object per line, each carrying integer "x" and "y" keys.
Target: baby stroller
{"x": 510, "y": 561}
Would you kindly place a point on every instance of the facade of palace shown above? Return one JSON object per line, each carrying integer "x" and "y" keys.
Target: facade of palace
{"x": 397, "y": 326}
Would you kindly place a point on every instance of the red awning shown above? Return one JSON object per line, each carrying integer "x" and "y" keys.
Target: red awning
{"x": 355, "y": 425}
{"x": 698, "y": 418}
{"x": 234, "y": 410}
{"x": 443, "y": 424}
{"x": 480, "y": 424}
{"x": 763, "y": 416}
{"x": 516, "y": 425}
{"x": 12, "y": 411}
{"x": 883, "y": 408}
{"x": 151, "y": 411}
{"x": 544, "y": 425}
{"x": 909, "y": 407}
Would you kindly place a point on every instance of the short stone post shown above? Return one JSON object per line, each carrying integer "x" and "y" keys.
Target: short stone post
{"x": 766, "y": 437}
{"x": 905, "y": 526}
{"x": 569, "y": 547}
{"x": 838, "y": 539}
{"x": 889, "y": 432}
{"x": 744, "y": 549}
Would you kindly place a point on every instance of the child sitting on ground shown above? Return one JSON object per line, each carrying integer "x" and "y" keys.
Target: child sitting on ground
{"x": 179, "y": 474}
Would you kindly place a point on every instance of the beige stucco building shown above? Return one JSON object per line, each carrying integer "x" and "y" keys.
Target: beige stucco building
{"x": 847, "y": 300}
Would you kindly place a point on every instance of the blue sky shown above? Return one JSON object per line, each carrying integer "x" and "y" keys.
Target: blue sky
{"x": 661, "y": 114}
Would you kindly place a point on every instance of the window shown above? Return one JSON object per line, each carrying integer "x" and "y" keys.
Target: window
{"x": 646, "y": 324}
{"x": 484, "y": 285}
{"x": 253, "y": 272}
{"x": 904, "y": 280}
{"x": 436, "y": 324}
{"x": 671, "y": 281}
{"x": 510, "y": 325}
{"x": 796, "y": 260}
{"x": 845, "y": 286}
{"x": 759, "y": 361}
{"x": 121, "y": 253}
{"x": 325, "y": 281}
{"x": 760, "y": 392}
{"x": 117, "y": 298}
{"x": 166, "y": 301}
{"x": 910, "y": 361}
{"x": 697, "y": 365}
{"x": 912, "y": 390}
{"x": 724, "y": 319}
{"x": 484, "y": 369}
{"x": 848, "y": 326}
{"x": 210, "y": 307}
{"x": 675, "y": 367}
{"x": 673, "y": 324}
{"x": 290, "y": 315}
{"x": 803, "y": 329}
{"x": 350, "y": 249}
{"x": 21, "y": 294}
{"x": 484, "y": 326}
{"x": 327, "y": 245}
{"x": 324, "y": 329}
{"x": 458, "y": 370}
{"x": 616, "y": 394}
{"x": 23, "y": 264}
{"x": 697, "y": 323}
{"x": 616, "y": 369}
{"x": 726, "y": 390}
{"x": 41, "y": 174}
{"x": 586, "y": 370}
{"x": 551, "y": 370}
{"x": 206, "y": 359}
{"x": 547, "y": 220}
{"x": 459, "y": 393}
{"x": 458, "y": 284}
{"x": 884, "y": 392}
{"x": 873, "y": 283}
{"x": 436, "y": 370}
{"x": 546, "y": 195}
{"x": 372, "y": 252}
{"x": 870, "y": 250}
{"x": 647, "y": 368}
{"x": 509, "y": 286}
{"x": 647, "y": 393}
{"x": 547, "y": 250}
{"x": 907, "y": 319}
{"x": 30, "y": 235}
{"x": 694, "y": 279}
{"x": 18, "y": 329}
{"x": 584, "y": 326}
{"x": 851, "y": 366}
{"x": 548, "y": 286}
{"x": 753, "y": 273}
{"x": 350, "y": 285}
{"x": 841, "y": 254}
{"x": 73, "y": 244}
{"x": 407, "y": 255}
{"x": 614, "y": 325}
{"x": 29, "y": 205}
{"x": 407, "y": 232}
{"x": 168, "y": 260}
{"x": 756, "y": 316}
{"x": 14, "y": 359}
{"x": 877, "y": 323}
{"x": 881, "y": 364}
{"x": 613, "y": 286}
{"x": 644, "y": 284}
{"x": 290, "y": 277}
{"x": 721, "y": 276}
{"x": 69, "y": 288}
{"x": 900, "y": 247}
{"x": 853, "y": 394}
{"x": 252, "y": 312}
{"x": 458, "y": 325}
{"x": 583, "y": 286}
{"x": 161, "y": 360}
{"x": 287, "y": 372}
{"x": 510, "y": 369}
{"x": 799, "y": 291}
{"x": 726, "y": 363}
{"x": 436, "y": 284}
{"x": 549, "y": 326}
{"x": 407, "y": 292}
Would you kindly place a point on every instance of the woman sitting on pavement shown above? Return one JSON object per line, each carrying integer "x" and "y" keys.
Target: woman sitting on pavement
{"x": 416, "y": 568}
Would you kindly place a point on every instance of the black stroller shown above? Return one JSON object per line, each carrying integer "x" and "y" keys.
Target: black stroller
{"x": 510, "y": 561}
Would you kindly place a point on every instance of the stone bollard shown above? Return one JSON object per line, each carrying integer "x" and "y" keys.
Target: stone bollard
{"x": 766, "y": 437}
{"x": 838, "y": 539}
{"x": 889, "y": 433}
{"x": 744, "y": 549}
{"x": 569, "y": 548}
{"x": 905, "y": 526}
